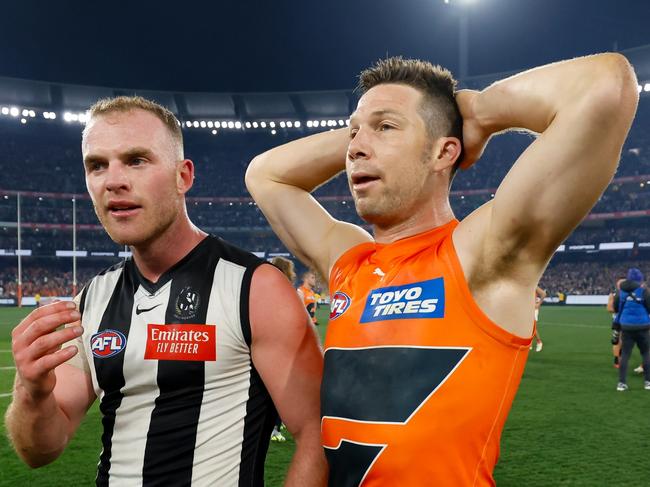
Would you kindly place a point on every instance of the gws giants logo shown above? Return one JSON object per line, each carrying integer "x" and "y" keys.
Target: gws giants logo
{"x": 339, "y": 305}
{"x": 187, "y": 304}
{"x": 107, "y": 343}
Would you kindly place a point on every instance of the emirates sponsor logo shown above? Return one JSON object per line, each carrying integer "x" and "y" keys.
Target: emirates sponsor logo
{"x": 181, "y": 342}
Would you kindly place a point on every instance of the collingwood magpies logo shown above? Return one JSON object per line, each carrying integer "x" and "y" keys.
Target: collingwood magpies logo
{"x": 187, "y": 304}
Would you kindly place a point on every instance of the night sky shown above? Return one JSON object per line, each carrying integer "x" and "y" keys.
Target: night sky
{"x": 292, "y": 45}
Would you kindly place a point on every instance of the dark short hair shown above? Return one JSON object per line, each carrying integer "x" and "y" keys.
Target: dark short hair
{"x": 438, "y": 109}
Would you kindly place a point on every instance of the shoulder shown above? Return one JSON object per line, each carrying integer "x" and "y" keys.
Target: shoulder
{"x": 271, "y": 290}
{"x": 219, "y": 247}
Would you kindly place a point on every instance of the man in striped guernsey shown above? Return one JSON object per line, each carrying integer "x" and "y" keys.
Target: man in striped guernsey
{"x": 176, "y": 343}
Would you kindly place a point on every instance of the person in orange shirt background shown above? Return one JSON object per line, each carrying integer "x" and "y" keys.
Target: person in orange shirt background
{"x": 308, "y": 295}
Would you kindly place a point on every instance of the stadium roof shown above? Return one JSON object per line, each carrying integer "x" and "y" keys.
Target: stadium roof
{"x": 293, "y": 45}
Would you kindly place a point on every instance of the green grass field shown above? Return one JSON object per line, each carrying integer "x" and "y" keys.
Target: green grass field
{"x": 568, "y": 425}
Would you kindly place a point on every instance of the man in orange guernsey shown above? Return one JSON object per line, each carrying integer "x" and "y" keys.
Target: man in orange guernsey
{"x": 307, "y": 294}
{"x": 431, "y": 318}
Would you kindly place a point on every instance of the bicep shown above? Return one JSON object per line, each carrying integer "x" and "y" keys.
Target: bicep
{"x": 304, "y": 226}
{"x": 556, "y": 181}
{"x": 285, "y": 349}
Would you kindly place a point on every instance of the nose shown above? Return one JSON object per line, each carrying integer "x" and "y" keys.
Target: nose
{"x": 359, "y": 147}
{"x": 116, "y": 177}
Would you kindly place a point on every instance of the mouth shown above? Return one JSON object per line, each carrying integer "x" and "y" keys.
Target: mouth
{"x": 363, "y": 181}
{"x": 123, "y": 210}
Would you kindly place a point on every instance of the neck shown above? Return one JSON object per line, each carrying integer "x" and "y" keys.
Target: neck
{"x": 156, "y": 257}
{"x": 435, "y": 214}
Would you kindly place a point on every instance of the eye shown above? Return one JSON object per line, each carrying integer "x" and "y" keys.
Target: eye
{"x": 137, "y": 161}
{"x": 95, "y": 166}
{"x": 353, "y": 132}
{"x": 385, "y": 126}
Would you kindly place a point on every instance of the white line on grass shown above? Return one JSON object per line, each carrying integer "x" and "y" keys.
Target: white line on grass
{"x": 11, "y": 367}
{"x": 6, "y": 394}
{"x": 5, "y": 351}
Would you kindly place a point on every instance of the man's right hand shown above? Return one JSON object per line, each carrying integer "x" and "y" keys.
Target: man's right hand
{"x": 36, "y": 346}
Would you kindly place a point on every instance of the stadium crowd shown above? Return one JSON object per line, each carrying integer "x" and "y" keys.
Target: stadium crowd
{"x": 219, "y": 203}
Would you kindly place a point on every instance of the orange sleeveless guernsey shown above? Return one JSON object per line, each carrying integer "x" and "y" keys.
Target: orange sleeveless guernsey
{"x": 418, "y": 381}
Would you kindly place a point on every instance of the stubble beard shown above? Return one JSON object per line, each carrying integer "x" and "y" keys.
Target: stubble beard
{"x": 145, "y": 233}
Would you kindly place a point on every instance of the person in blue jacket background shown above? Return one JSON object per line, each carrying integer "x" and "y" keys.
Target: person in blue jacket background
{"x": 632, "y": 305}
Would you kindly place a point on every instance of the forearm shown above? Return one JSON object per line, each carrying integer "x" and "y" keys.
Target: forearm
{"x": 534, "y": 98}
{"x": 308, "y": 466}
{"x": 304, "y": 163}
{"x": 38, "y": 430}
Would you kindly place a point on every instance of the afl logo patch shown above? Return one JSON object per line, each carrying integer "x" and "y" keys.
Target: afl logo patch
{"x": 187, "y": 304}
{"x": 340, "y": 304}
{"x": 107, "y": 343}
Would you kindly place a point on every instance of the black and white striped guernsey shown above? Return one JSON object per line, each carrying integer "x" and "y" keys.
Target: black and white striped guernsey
{"x": 181, "y": 401}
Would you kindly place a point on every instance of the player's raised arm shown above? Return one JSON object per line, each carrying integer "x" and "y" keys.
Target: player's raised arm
{"x": 287, "y": 355}
{"x": 50, "y": 397}
{"x": 281, "y": 179}
{"x": 582, "y": 109}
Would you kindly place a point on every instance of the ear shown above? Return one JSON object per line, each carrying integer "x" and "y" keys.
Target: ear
{"x": 446, "y": 151}
{"x": 184, "y": 176}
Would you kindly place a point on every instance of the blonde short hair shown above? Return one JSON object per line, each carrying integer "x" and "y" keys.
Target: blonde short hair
{"x": 123, "y": 104}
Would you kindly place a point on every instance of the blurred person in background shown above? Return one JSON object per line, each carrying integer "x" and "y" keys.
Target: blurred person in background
{"x": 632, "y": 306}
{"x": 616, "y": 327}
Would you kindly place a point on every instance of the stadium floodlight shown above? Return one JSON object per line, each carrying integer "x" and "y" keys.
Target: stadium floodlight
{"x": 32, "y": 113}
{"x": 231, "y": 125}
{"x": 238, "y": 125}
{"x": 188, "y": 124}
{"x": 309, "y": 123}
{"x": 347, "y": 122}
{"x": 202, "y": 124}
{"x": 217, "y": 125}
{"x": 290, "y": 124}
{"x": 297, "y": 124}
{"x": 646, "y": 87}
{"x": 13, "y": 111}
{"x": 195, "y": 124}
{"x": 272, "y": 124}
{"x": 248, "y": 125}
{"x": 224, "y": 125}
{"x": 210, "y": 124}
{"x": 83, "y": 118}
{"x": 214, "y": 132}
{"x": 255, "y": 125}
{"x": 323, "y": 123}
{"x": 52, "y": 115}
{"x": 273, "y": 132}
{"x": 23, "y": 120}
{"x": 341, "y": 123}
{"x": 263, "y": 125}
{"x": 282, "y": 124}
{"x": 639, "y": 88}
{"x": 5, "y": 111}
{"x": 25, "y": 113}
